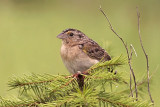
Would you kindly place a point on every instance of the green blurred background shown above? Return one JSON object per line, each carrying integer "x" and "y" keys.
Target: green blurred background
{"x": 28, "y": 30}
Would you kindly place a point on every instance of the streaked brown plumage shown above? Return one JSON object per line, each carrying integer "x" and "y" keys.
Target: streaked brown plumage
{"x": 79, "y": 52}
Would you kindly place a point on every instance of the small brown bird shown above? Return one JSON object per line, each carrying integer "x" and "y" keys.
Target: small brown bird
{"x": 79, "y": 52}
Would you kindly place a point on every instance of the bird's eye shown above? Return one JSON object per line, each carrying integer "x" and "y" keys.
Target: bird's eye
{"x": 71, "y": 34}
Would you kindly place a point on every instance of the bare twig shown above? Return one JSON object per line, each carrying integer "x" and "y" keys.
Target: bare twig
{"x": 125, "y": 45}
{"x": 148, "y": 77}
{"x": 130, "y": 71}
{"x": 131, "y": 52}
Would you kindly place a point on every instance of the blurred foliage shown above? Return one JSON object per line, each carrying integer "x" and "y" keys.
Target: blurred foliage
{"x": 28, "y": 30}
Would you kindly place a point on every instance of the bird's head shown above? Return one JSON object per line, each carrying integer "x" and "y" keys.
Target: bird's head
{"x": 71, "y": 35}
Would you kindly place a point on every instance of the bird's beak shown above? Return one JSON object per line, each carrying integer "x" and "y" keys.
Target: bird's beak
{"x": 61, "y": 36}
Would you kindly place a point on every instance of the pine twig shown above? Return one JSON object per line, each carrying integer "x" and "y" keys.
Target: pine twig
{"x": 116, "y": 61}
{"x": 19, "y": 103}
{"x": 116, "y": 103}
{"x": 66, "y": 84}
{"x": 119, "y": 100}
{"x": 148, "y": 77}
{"x": 125, "y": 45}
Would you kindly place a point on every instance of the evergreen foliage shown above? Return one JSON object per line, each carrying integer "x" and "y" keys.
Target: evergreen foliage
{"x": 100, "y": 89}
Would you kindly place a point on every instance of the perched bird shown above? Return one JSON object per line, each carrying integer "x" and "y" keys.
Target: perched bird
{"x": 79, "y": 52}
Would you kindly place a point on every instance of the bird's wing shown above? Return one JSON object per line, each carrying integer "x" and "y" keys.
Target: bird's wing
{"x": 93, "y": 50}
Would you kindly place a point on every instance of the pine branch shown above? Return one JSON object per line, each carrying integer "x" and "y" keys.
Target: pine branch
{"x": 37, "y": 79}
{"x": 39, "y": 86}
{"x": 121, "y": 101}
{"x": 32, "y": 80}
{"x": 105, "y": 77}
{"x": 59, "y": 81}
{"x": 89, "y": 97}
{"x": 62, "y": 90}
{"x": 71, "y": 95}
{"x": 41, "y": 81}
{"x": 51, "y": 88}
{"x": 18, "y": 103}
{"x": 114, "y": 62}
{"x": 77, "y": 97}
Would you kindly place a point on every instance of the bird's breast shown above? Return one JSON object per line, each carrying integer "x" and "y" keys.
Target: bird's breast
{"x": 69, "y": 53}
{"x": 75, "y": 59}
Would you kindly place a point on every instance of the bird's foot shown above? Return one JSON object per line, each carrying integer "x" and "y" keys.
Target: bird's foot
{"x": 80, "y": 74}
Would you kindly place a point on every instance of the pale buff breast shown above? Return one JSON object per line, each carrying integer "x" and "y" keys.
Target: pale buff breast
{"x": 75, "y": 59}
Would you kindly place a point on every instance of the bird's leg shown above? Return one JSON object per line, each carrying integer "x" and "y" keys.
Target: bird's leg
{"x": 76, "y": 74}
{"x": 80, "y": 79}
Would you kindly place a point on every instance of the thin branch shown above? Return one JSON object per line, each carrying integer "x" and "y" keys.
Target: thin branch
{"x": 138, "y": 15}
{"x": 125, "y": 45}
{"x": 131, "y": 53}
{"x": 130, "y": 72}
